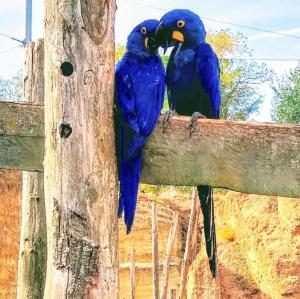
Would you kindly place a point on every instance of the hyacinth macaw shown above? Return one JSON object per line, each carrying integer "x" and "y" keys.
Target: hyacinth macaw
{"x": 193, "y": 84}
{"x": 140, "y": 87}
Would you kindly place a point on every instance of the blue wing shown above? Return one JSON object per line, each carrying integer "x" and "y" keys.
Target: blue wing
{"x": 208, "y": 71}
{"x": 140, "y": 93}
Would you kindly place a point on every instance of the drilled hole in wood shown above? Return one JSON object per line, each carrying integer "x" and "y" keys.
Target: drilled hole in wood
{"x": 67, "y": 69}
{"x": 65, "y": 130}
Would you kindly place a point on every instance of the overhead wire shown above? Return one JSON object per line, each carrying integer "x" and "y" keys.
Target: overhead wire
{"x": 233, "y": 24}
{"x": 10, "y": 49}
{"x": 220, "y": 21}
{"x": 13, "y": 38}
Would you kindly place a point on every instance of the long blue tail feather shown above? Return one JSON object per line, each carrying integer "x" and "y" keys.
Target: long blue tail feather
{"x": 129, "y": 184}
{"x": 207, "y": 207}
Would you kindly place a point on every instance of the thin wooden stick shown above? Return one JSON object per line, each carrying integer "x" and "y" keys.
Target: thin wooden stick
{"x": 172, "y": 294}
{"x": 167, "y": 260}
{"x": 191, "y": 243}
{"x": 155, "y": 256}
{"x": 132, "y": 274}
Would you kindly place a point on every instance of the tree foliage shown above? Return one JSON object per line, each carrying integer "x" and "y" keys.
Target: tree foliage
{"x": 286, "y": 103}
{"x": 119, "y": 52}
{"x": 240, "y": 76}
{"x": 12, "y": 89}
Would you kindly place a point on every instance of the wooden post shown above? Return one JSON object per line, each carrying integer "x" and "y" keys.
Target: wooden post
{"x": 172, "y": 294}
{"x": 132, "y": 274}
{"x": 33, "y": 240}
{"x": 79, "y": 166}
{"x": 167, "y": 259}
{"x": 155, "y": 254}
{"x": 191, "y": 243}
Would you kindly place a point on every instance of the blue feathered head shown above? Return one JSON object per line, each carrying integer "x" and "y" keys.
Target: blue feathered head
{"x": 180, "y": 26}
{"x": 141, "y": 41}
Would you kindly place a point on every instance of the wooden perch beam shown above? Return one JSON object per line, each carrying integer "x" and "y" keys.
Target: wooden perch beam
{"x": 247, "y": 157}
{"x": 21, "y": 136}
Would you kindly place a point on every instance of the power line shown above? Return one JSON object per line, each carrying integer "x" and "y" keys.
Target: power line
{"x": 10, "y": 49}
{"x": 263, "y": 59}
{"x": 253, "y": 28}
{"x": 13, "y": 38}
{"x": 219, "y": 21}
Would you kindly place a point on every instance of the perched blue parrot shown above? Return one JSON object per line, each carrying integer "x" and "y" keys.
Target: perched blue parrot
{"x": 193, "y": 84}
{"x": 140, "y": 88}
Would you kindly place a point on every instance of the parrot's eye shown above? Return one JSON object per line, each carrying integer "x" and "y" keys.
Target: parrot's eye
{"x": 180, "y": 24}
{"x": 144, "y": 30}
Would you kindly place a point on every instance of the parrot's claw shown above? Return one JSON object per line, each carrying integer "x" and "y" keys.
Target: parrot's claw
{"x": 167, "y": 119}
{"x": 192, "y": 124}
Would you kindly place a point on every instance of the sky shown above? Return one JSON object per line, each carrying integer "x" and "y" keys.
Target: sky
{"x": 273, "y": 15}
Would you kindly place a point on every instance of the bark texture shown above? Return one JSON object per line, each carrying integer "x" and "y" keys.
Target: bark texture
{"x": 33, "y": 241}
{"x": 80, "y": 166}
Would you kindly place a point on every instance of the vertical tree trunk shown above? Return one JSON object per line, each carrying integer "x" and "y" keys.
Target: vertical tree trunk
{"x": 155, "y": 255}
{"x": 80, "y": 166}
{"x": 167, "y": 259}
{"x": 132, "y": 274}
{"x": 191, "y": 243}
{"x": 33, "y": 241}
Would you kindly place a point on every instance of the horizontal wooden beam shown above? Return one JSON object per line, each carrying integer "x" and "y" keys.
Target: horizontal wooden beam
{"x": 257, "y": 158}
{"x": 21, "y": 136}
{"x": 247, "y": 157}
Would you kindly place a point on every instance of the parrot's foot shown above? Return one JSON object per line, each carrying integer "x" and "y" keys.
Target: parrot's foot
{"x": 167, "y": 119}
{"x": 192, "y": 124}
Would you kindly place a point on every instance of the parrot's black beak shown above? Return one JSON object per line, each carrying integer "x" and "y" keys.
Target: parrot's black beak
{"x": 163, "y": 36}
{"x": 151, "y": 43}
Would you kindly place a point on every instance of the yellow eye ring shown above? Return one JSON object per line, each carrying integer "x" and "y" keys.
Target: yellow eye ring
{"x": 144, "y": 30}
{"x": 180, "y": 24}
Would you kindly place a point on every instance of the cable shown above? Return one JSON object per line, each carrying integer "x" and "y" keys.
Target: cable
{"x": 219, "y": 21}
{"x": 263, "y": 59}
{"x": 253, "y": 28}
{"x": 10, "y": 49}
{"x": 14, "y": 39}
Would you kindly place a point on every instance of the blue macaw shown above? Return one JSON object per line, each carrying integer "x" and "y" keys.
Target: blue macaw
{"x": 140, "y": 88}
{"x": 193, "y": 84}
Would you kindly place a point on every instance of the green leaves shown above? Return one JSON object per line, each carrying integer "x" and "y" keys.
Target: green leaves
{"x": 286, "y": 104}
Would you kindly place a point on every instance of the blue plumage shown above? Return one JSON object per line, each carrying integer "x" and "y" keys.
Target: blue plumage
{"x": 196, "y": 71}
{"x": 193, "y": 83}
{"x": 140, "y": 87}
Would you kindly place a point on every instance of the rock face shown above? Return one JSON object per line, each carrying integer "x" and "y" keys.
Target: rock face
{"x": 258, "y": 249}
{"x": 10, "y": 212}
{"x": 258, "y": 245}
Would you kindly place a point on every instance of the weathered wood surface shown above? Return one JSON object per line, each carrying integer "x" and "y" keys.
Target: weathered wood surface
{"x": 80, "y": 163}
{"x": 21, "y": 135}
{"x": 167, "y": 258}
{"x": 155, "y": 253}
{"x": 33, "y": 239}
{"x": 242, "y": 156}
{"x": 247, "y": 157}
